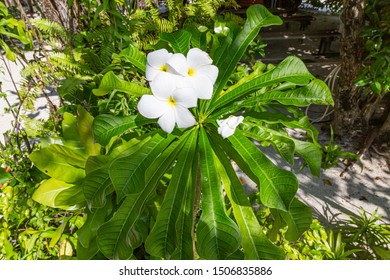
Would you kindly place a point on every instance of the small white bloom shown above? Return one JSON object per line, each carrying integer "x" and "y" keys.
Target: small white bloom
{"x": 169, "y": 104}
{"x": 157, "y": 63}
{"x": 227, "y": 127}
{"x": 197, "y": 71}
{"x": 221, "y": 29}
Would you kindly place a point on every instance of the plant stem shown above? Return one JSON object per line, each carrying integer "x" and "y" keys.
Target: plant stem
{"x": 198, "y": 190}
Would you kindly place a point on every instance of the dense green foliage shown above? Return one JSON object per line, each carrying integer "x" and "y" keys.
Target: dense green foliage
{"x": 375, "y": 75}
{"x": 106, "y": 183}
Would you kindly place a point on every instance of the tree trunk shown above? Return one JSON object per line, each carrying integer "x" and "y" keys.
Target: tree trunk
{"x": 347, "y": 97}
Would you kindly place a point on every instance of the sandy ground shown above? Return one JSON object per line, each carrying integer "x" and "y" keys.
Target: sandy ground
{"x": 331, "y": 196}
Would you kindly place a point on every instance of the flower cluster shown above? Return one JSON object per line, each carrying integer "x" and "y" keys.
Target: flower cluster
{"x": 177, "y": 82}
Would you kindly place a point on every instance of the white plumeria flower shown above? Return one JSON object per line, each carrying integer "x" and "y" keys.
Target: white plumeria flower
{"x": 197, "y": 71}
{"x": 157, "y": 63}
{"x": 227, "y": 127}
{"x": 169, "y": 104}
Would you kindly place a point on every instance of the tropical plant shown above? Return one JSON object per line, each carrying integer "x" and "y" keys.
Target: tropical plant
{"x": 318, "y": 243}
{"x": 172, "y": 193}
{"x": 368, "y": 235}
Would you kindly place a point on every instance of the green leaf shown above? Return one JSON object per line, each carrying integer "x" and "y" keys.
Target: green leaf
{"x": 257, "y": 17}
{"x": 298, "y": 219}
{"x": 60, "y": 162}
{"x": 291, "y": 70}
{"x": 107, "y": 126}
{"x": 316, "y": 92}
{"x": 217, "y": 235}
{"x": 198, "y": 38}
{"x": 133, "y": 55}
{"x": 114, "y": 237}
{"x": 48, "y": 191}
{"x": 383, "y": 253}
{"x": 9, "y": 54}
{"x": 277, "y": 186}
{"x": 179, "y": 41}
{"x": 285, "y": 145}
{"x": 73, "y": 197}
{"x": 128, "y": 173}
{"x": 311, "y": 153}
{"x": 111, "y": 82}
{"x": 87, "y": 245}
{"x": 171, "y": 235}
{"x": 282, "y": 143}
{"x": 84, "y": 129}
{"x": 69, "y": 127}
{"x": 255, "y": 243}
{"x": 281, "y": 118}
{"x": 96, "y": 186}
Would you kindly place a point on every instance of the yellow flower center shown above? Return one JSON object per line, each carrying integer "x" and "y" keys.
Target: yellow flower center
{"x": 172, "y": 101}
{"x": 164, "y": 68}
{"x": 191, "y": 72}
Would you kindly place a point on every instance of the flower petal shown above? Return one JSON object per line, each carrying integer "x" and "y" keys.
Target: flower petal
{"x": 184, "y": 117}
{"x": 158, "y": 58}
{"x": 225, "y": 131}
{"x": 196, "y": 58}
{"x": 234, "y": 121}
{"x": 178, "y": 63}
{"x": 203, "y": 86}
{"x": 151, "y": 107}
{"x": 185, "y": 97}
{"x": 167, "y": 121}
{"x": 211, "y": 71}
{"x": 163, "y": 85}
{"x": 227, "y": 127}
{"x": 151, "y": 73}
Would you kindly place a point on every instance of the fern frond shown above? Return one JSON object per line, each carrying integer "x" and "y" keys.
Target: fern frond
{"x": 49, "y": 27}
{"x": 66, "y": 63}
{"x": 70, "y": 85}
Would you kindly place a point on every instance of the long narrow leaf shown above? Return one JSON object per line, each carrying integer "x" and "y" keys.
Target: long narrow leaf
{"x": 298, "y": 219}
{"x": 165, "y": 236}
{"x": 128, "y": 173}
{"x": 255, "y": 244}
{"x": 114, "y": 236}
{"x": 111, "y": 82}
{"x": 291, "y": 70}
{"x": 316, "y": 92}
{"x": 277, "y": 186}
{"x": 133, "y": 55}
{"x": 107, "y": 126}
{"x": 96, "y": 186}
{"x": 217, "y": 234}
{"x": 257, "y": 17}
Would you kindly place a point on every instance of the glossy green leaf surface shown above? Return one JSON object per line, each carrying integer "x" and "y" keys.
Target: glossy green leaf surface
{"x": 277, "y": 186}
{"x": 298, "y": 219}
{"x": 178, "y": 41}
{"x": 116, "y": 235}
{"x": 257, "y": 17}
{"x": 217, "y": 235}
{"x": 49, "y": 190}
{"x": 60, "y": 162}
{"x": 111, "y": 82}
{"x": 107, "y": 126}
{"x": 133, "y": 55}
{"x": 171, "y": 235}
{"x": 255, "y": 244}
{"x": 128, "y": 173}
{"x": 291, "y": 70}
